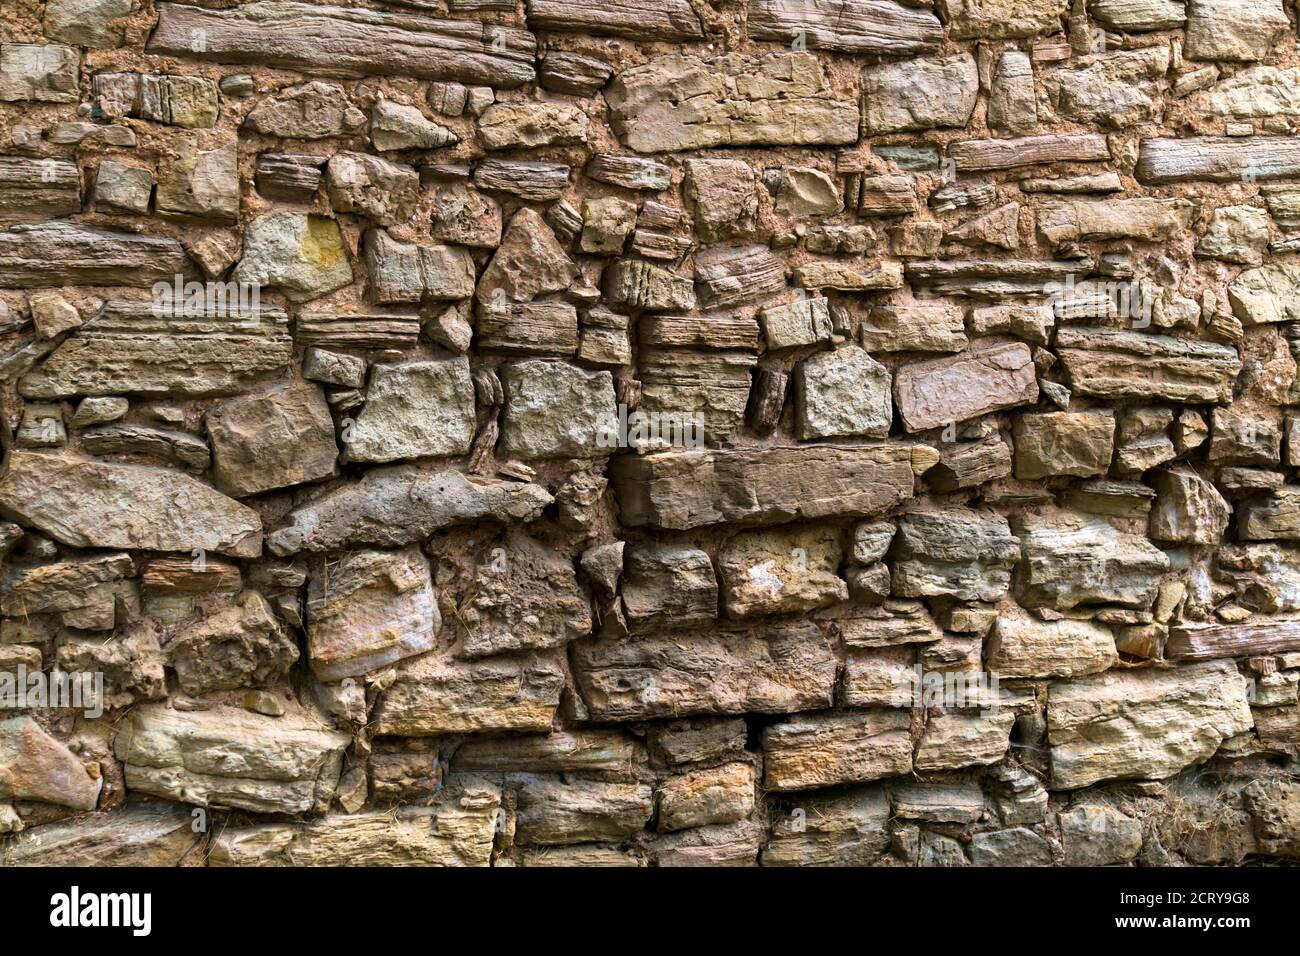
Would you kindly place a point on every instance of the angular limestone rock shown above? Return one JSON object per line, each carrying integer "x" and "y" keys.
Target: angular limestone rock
{"x": 1187, "y": 508}
{"x": 368, "y": 186}
{"x": 345, "y": 41}
{"x": 526, "y": 598}
{"x": 557, "y": 410}
{"x": 1267, "y": 294}
{"x": 1021, "y": 645}
{"x": 668, "y": 586}
{"x": 915, "y": 327}
{"x": 228, "y": 757}
{"x": 682, "y": 490}
{"x": 303, "y": 256}
{"x": 395, "y": 506}
{"x": 778, "y": 100}
{"x": 414, "y": 409}
{"x": 1114, "y": 90}
{"x": 44, "y": 73}
{"x": 953, "y": 741}
{"x": 982, "y": 380}
{"x": 1142, "y": 724}
{"x": 408, "y": 272}
{"x": 528, "y": 125}
{"x": 370, "y": 609}
{"x": 781, "y": 571}
{"x": 242, "y": 645}
{"x": 1079, "y": 444}
{"x": 36, "y": 766}
{"x": 89, "y": 504}
{"x": 843, "y": 829}
{"x": 1108, "y": 364}
{"x": 1073, "y": 560}
{"x": 967, "y": 555}
{"x": 435, "y": 695}
{"x": 822, "y": 750}
{"x": 845, "y": 392}
{"x": 584, "y": 751}
{"x": 1233, "y": 29}
{"x": 315, "y": 110}
{"x": 164, "y": 349}
{"x": 705, "y": 797}
{"x": 770, "y": 669}
{"x": 396, "y": 126}
{"x": 1271, "y": 519}
{"x": 1002, "y": 19}
{"x": 457, "y": 829}
{"x": 529, "y": 262}
{"x": 553, "y": 811}
{"x": 272, "y": 438}
{"x": 925, "y": 93}
{"x": 1096, "y": 835}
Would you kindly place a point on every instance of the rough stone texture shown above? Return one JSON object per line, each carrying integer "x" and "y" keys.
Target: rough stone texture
{"x": 414, "y": 410}
{"x": 227, "y": 757}
{"x": 1142, "y": 724}
{"x": 664, "y": 419}
{"x": 369, "y": 609}
{"x": 780, "y": 99}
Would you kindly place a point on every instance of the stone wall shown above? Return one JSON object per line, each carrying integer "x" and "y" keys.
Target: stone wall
{"x": 650, "y": 432}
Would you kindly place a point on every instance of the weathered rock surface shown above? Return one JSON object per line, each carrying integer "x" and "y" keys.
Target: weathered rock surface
{"x": 435, "y": 695}
{"x": 681, "y": 490}
{"x": 815, "y": 750}
{"x": 226, "y": 757}
{"x": 953, "y": 553}
{"x": 390, "y": 507}
{"x": 1071, "y": 560}
{"x": 88, "y": 504}
{"x": 982, "y": 380}
{"x": 243, "y": 645}
{"x": 414, "y": 410}
{"x": 136, "y": 348}
{"x": 370, "y": 609}
{"x": 768, "y": 669}
{"x": 1111, "y": 365}
{"x": 272, "y": 438}
{"x": 456, "y": 831}
{"x": 348, "y": 42}
{"x": 528, "y": 599}
{"x": 36, "y": 766}
{"x": 144, "y": 833}
{"x": 1024, "y": 646}
{"x": 780, "y": 571}
{"x": 782, "y": 99}
{"x": 1143, "y": 724}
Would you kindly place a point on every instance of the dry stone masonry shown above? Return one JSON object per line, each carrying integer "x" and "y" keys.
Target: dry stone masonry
{"x": 649, "y": 432}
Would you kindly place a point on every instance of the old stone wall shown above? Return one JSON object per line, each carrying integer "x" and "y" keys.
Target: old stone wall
{"x": 649, "y": 432}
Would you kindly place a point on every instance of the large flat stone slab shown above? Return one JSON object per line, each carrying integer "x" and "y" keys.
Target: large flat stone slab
{"x": 682, "y": 490}
{"x": 96, "y": 504}
{"x": 347, "y": 41}
{"x": 682, "y": 102}
{"x": 771, "y": 670}
{"x": 136, "y": 348}
{"x": 1142, "y": 724}
{"x": 229, "y": 757}
{"x": 399, "y": 505}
